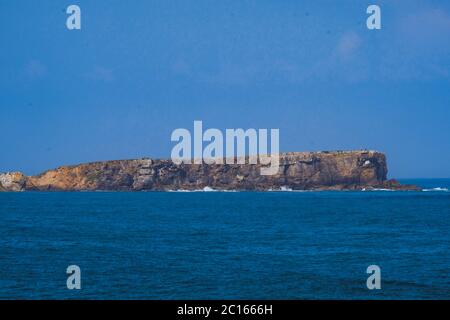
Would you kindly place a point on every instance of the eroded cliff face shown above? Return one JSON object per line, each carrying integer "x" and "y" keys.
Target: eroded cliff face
{"x": 12, "y": 181}
{"x": 346, "y": 170}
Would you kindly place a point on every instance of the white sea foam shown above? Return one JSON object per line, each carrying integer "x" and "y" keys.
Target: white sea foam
{"x": 287, "y": 189}
{"x": 436, "y": 189}
{"x": 205, "y": 189}
{"x": 377, "y": 189}
{"x": 282, "y": 188}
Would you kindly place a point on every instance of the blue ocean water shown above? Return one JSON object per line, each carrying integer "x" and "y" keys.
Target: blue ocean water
{"x": 227, "y": 245}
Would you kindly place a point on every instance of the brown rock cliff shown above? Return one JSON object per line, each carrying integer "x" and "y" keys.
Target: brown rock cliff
{"x": 341, "y": 170}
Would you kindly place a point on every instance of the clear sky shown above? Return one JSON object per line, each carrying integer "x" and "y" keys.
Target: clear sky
{"x": 137, "y": 70}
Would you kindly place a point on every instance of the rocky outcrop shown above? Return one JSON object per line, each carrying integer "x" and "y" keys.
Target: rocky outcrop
{"x": 12, "y": 181}
{"x": 343, "y": 170}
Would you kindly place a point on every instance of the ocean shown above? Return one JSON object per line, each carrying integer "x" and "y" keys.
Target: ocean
{"x": 227, "y": 245}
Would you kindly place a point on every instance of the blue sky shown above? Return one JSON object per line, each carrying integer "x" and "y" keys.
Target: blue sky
{"x": 140, "y": 69}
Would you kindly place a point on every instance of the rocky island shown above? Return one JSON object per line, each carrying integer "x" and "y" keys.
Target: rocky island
{"x": 338, "y": 170}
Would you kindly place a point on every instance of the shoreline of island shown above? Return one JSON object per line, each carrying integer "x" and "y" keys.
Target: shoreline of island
{"x": 361, "y": 170}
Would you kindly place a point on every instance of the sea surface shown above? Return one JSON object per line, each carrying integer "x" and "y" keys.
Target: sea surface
{"x": 227, "y": 245}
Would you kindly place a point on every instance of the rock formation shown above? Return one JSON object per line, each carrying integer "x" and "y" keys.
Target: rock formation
{"x": 12, "y": 181}
{"x": 341, "y": 170}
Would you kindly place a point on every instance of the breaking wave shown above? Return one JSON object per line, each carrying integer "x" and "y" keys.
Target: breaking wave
{"x": 377, "y": 189}
{"x": 205, "y": 189}
{"x": 436, "y": 189}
